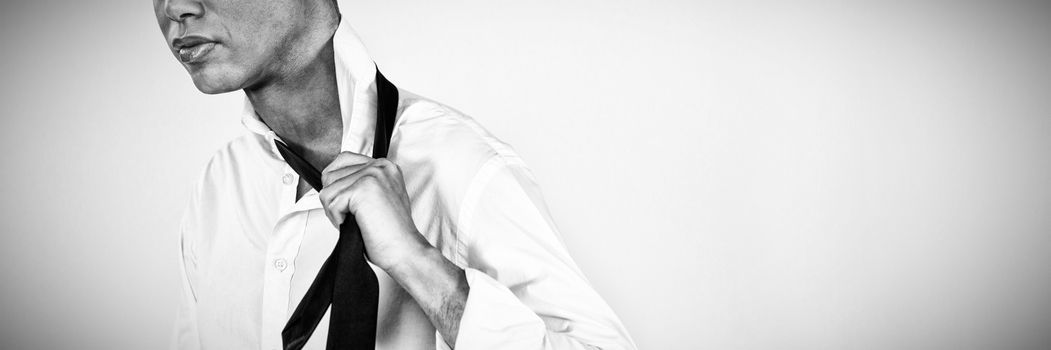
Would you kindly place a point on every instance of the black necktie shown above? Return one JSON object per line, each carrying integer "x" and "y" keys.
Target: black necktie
{"x": 345, "y": 281}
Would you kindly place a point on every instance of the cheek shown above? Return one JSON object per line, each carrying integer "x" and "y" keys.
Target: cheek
{"x": 164, "y": 23}
{"x": 245, "y": 41}
{"x": 251, "y": 33}
{"x": 158, "y": 11}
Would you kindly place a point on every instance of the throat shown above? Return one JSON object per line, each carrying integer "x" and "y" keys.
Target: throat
{"x": 318, "y": 150}
{"x": 301, "y": 105}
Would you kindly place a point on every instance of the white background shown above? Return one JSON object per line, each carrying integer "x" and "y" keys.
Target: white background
{"x": 729, "y": 175}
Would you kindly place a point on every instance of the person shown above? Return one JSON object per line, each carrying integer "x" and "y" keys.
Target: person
{"x": 465, "y": 251}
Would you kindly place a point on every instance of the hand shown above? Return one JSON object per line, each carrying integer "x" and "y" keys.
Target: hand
{"x": 373, "y": 191}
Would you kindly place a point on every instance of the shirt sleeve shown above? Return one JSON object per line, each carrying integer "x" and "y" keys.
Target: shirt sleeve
{"x": 185, "y": 334}
{"x": 525, "y": 290}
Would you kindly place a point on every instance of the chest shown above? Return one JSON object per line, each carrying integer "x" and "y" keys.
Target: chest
{"x": 262, "y": 257}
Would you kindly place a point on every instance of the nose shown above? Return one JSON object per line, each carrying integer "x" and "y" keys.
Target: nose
{"x": 180, "y": 10}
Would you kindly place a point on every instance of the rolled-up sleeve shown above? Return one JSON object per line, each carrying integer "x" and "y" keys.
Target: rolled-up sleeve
{"x": 526, "y": 292}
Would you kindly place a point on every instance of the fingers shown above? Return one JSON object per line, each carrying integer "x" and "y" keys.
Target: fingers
{"x": 331, "y": 175}
{"x": 347, "y": 158}
{"x": 348, "y": 175}
{"x": 340, "y": 196}
{"x": 344, "y": 164}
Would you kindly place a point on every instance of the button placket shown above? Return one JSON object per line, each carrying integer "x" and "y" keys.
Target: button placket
{"x": 282, "y": 249}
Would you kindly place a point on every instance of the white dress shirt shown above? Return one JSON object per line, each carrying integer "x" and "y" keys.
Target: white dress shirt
{"x": 250, "y": 250}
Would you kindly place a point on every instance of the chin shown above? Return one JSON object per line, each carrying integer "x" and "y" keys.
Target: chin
{"x": 215, "y": 80}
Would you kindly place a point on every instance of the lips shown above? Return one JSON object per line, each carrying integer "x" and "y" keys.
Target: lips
{"x": 193, "y": 49}
{"x": 192, "y": 54}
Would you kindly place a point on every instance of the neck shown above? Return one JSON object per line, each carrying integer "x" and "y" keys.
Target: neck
{"x": 302, "y": 107}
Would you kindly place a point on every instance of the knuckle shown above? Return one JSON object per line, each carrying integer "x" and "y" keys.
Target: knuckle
{"x": 329, "y": 173}
{"x": 390, "y": 166}
{"x": 369, "y": 178}
{"x": 367, "y": 183}
{"x": 326, "y": 175}
{"x": 374, "y": 164}
{"x": 379, "y": 175}
{"x": 385, "y": 166}
{"x": 325, "y": 195}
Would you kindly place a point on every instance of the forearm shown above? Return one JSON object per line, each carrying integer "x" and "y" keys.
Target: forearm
{"x": 438, "y": 286}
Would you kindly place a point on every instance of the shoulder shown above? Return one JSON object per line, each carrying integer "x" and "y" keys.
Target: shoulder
{"x": 446, "y": 155}
{"x": 425, "y": 121}
{"x": 444, "y": 140}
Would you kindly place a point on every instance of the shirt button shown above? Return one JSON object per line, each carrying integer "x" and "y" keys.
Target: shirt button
{"x": 280, "y": 264}
{"x": 287, "y": 179}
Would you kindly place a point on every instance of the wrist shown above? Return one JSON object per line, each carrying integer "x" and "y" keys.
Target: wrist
{"x": 426, "y": 274}
{"x": 404, "y": 258}
{"x": 437, "y": 285}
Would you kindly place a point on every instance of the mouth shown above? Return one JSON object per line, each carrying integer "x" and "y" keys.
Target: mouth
{"x": 193, "y": 49}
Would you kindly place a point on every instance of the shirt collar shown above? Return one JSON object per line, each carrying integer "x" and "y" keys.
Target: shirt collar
{"x": 355, "y": 83}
